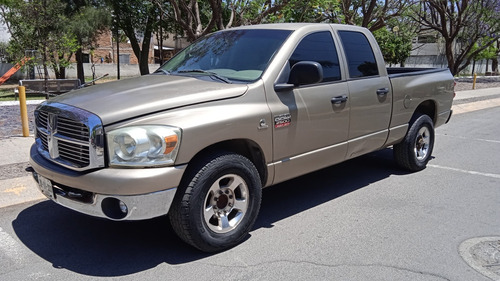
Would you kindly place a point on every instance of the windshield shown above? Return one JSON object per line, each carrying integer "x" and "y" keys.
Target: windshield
{"x": 233, "y": 54}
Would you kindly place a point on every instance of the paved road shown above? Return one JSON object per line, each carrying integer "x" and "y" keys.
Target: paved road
{"x": 360, "y": 220}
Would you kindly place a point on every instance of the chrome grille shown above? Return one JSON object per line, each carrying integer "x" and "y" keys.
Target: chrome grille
{"x": 42, "y": 119}
{"x": 69, "y": 136}
{"x": 75, "y": 153}
{"x": 72, "y": 129}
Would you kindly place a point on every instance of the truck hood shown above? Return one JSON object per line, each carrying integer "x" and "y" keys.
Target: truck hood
{"x": 124, "y": 99}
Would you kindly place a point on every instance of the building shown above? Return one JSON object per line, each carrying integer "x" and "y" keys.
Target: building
{"x": 105, "y": 50}
{"x": 428, "y": 50}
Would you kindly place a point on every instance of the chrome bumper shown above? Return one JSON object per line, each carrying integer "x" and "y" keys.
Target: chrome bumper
{"x": 114, "y": 207}
{"x": 116, "y": 194}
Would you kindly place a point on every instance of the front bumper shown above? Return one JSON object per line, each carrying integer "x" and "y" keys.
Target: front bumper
{"x": 116, "y": 194}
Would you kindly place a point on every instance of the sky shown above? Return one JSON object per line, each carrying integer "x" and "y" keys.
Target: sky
{"x": 4, "y": 33}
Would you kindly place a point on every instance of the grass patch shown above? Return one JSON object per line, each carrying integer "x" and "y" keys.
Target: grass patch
{"x": 7, "y": 94}
{"x": 7, "y": 91}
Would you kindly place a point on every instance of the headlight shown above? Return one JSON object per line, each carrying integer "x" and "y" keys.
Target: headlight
{"x": 142, "y": 146}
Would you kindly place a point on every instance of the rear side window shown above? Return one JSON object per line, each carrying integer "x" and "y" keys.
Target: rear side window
{"x": 319, "y": 47}
{"x": 359, "y": 54}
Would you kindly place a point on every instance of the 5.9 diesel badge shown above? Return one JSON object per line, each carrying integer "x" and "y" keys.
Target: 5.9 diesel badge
{"x": 282, "y": 120}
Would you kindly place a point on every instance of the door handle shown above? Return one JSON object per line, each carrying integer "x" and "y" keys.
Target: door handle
{"x": 339, "y": 99}
{"x": 382, "y": 91}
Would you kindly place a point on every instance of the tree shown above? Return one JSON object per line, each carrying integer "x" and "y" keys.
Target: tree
{"x": 395, "y": 44}
{"x": 196, "y": 18}
{"x": 307, "y": 11}
{"x": 87, "y": 22}
{"x": 40, "y": 25}
{"x": 461, "y": 23}
{"x": 372, "y": 14}
{"x": 494, "y": 60}
{"x": 137, "y": 19}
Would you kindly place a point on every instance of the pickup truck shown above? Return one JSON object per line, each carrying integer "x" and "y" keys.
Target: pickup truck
{"x": 236, "y": 111}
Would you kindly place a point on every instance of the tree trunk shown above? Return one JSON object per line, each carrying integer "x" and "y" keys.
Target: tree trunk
{"x": 79, "y": 65}
{"x": 62, "y": 72}
{"x": 146, "y": 43}
{"x": 450, "y": 58}
{"x": 494, "y": 61}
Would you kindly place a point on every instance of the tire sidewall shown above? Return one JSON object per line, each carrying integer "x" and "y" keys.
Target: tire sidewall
{"x": 420, "y": 122}
{"x": 201, "y": 184}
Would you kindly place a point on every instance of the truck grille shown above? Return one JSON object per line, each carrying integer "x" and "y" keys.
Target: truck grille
{"x": 69, "y": 136}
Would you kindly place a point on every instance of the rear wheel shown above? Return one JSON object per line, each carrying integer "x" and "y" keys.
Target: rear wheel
{"x": 415, "y": 150}
{"x": 219, "y": 203}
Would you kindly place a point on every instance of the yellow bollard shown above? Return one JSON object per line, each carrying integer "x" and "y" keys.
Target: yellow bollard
{"x": 474, "y": 81}
{"x": 24, "y": 111}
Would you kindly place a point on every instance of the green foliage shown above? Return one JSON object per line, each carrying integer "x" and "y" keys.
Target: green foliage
{"x": 307, "y": 11}
{"x": 40, "y": 25}
{"x": 138, "y": 19}
{"x": 490, "y": 52}
{"x": 51, "y": 31}
{"x": 395, "y": 41}
{"x": 88, "y": 22}
{"x": 373, "y": 14}
{"x": 5, "y": 56}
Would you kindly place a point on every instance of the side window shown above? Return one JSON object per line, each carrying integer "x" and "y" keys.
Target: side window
{"x": 359, "y": 54}
{"x": 319, "y": 47}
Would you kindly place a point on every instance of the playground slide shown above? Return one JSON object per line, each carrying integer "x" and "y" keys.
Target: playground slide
{"x": 13, "y": 70}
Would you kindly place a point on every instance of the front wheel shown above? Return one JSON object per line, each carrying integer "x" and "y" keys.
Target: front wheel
{"x": 415, "y": 150}
{"x": 219, "y": 203}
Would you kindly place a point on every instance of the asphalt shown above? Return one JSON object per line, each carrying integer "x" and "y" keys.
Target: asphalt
{"x": 19, "y": 187}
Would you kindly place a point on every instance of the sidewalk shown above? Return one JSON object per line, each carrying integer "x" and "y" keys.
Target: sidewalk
{"x": 19, "y": 187}
{"x": 477, "y": 94}
{"x": 472, "y": 100}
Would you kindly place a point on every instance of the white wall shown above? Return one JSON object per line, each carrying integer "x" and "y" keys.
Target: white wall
{"x": 126, "y": 70}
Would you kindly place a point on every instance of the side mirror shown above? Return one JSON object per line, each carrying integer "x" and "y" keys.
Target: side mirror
{"x": 302, "y": 73}
{"x": 306, "y": 72}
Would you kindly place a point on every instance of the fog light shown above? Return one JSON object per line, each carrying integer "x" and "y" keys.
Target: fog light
{"x": 114, "y": 208}
{"x": 123, "y": 207}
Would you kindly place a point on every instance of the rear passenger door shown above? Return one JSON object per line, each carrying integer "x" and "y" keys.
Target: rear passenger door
{"x": 370, "y": 94}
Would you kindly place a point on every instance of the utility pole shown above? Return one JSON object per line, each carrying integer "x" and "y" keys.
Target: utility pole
{"x": 117, "y": 40}
{"x": 161, "y": 38}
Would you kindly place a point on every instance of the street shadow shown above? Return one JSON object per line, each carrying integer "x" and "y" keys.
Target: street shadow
{"x": 99, "y": 247}
{"x": 297, "y": 195}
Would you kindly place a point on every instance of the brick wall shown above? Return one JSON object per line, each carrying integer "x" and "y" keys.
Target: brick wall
{"x": 106, "y": 49}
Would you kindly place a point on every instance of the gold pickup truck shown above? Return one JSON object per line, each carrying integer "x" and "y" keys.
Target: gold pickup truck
{"x": 236, "y": 111}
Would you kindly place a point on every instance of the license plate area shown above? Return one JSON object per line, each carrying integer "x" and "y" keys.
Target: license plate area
{"x": 46, "y": 187}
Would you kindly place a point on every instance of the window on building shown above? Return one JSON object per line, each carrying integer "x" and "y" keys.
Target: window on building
{"x": 425, "y": 39}
{"x": 359, "y": 53}
{"x": 319, "y": 47}
{"x": 124, "y": 58}
{"x": 86, "y": 58}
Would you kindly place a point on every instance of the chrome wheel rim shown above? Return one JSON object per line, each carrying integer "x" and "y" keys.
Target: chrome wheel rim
{"x": 422, "y": 143}
{"x": 226, "y": 203}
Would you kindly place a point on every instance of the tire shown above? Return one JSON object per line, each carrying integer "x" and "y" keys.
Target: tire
{"x": 217, "y": 205}
{"x": 415, "y": 150}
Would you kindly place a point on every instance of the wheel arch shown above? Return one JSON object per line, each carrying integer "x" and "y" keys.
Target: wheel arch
{"x": 428, "y": 108}
{"x": 244, "y": 147}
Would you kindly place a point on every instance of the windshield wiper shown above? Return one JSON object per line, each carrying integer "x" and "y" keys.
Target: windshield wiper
{"x": 159, "y": 70}
{"x": 209, "y": 73}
